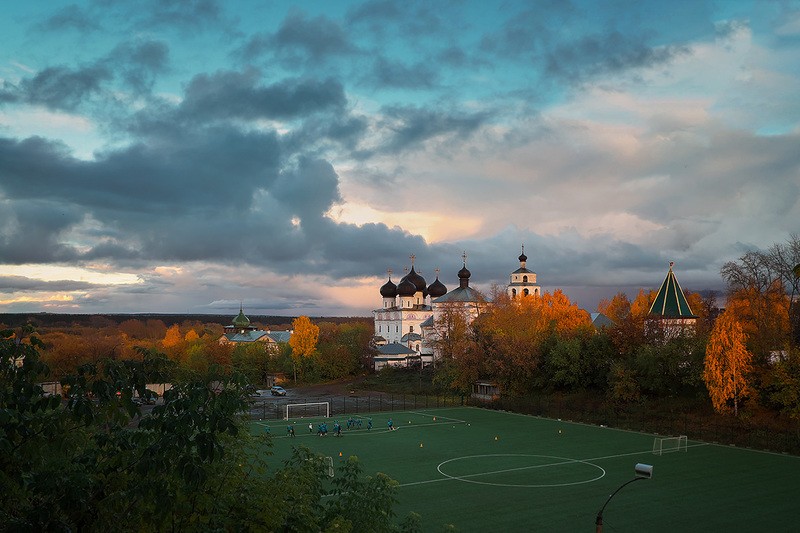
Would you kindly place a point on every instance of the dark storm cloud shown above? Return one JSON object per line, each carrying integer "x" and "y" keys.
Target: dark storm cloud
{"x": 353, "y": 251}
{"x": 63, "y": 88}
{"x": 238, "y": 95}
{"x": 606, "y": 54}
{"x": 181, "y": 13}
{"x": 345, "y": 130}
{"x": 139, "y": 62}
{"x": 70, "y": 17}
{"x": 310, "y": 189}
{"x": 526, "y": 32}
{"x": 188, "y": 172}
{"x": 22, "y": 283}
{"x": 412, "y": 126}
{"x": 300, "y": 39}
{"x": 316, "y": 37}
{"x": 32, "y": 230}
{"x": 416, "y": 19}
{"x": 388, "y": 73}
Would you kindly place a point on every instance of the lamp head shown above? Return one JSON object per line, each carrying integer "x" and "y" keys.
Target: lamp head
{"x": 643, "y": 471}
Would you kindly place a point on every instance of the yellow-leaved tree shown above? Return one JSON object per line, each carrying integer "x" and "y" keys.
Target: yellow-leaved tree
{"x": 728, "y": 363}
{"x": 173, "y": 337}
{"x": 303, "y": 340}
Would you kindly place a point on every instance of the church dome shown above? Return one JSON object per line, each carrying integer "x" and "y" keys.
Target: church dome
{"x": 464, "y": 273}
{"x": 437, "y": 289}
{"x": 389, "y": 289}
{"x": 417, "y": 280}
{"x": 241, "y": 321}
{"x": 523, "y": 258}
{"x": 406, "y": 287}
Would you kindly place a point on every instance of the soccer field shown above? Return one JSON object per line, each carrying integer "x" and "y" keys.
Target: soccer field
{"x": 483, "y": 470}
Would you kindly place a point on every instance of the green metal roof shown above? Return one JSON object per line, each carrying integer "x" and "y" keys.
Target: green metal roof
{"x": 241, "y": 321}
{"x": 670, "y": 301}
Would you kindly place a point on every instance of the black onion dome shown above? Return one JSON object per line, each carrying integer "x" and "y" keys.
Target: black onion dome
{"x": 417, "y": 280}
{"x": 406, "y": 287}
{"x": 389, "y": 289}
{"x": 464, "y": 273}
{"x": 523, "y": 257}
{"x": 437, "y": 289}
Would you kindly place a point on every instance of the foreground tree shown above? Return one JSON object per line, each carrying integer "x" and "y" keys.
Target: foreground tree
{"x": 728, "y": 364}
{"x": 94, "y": 463}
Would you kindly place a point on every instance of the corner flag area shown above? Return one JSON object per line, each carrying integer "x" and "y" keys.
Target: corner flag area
{"x": 483, "y": 470}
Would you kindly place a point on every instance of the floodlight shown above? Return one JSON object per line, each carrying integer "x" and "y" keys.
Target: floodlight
{"x": 643, "y": 471}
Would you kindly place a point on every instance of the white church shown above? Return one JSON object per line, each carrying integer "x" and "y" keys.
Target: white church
{"x": 404, "y": 325}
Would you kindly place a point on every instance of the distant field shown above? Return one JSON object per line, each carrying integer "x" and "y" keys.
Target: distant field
{"x": 483, "y": 470}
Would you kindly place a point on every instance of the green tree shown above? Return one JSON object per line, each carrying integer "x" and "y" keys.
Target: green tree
{"x": 96, "y": 464}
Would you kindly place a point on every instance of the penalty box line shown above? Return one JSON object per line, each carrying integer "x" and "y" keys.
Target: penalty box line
{"x": 446, "y": 418}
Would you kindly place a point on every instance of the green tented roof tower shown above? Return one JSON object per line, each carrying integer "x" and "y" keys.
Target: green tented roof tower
{"x": 670, "y": 301}
{"x": 241, "y": 321}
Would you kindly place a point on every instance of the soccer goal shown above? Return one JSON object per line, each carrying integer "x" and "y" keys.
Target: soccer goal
{"x": 329, "y": 466}
{"x": 663, "y": 445}
{"x": 302, "y": 410}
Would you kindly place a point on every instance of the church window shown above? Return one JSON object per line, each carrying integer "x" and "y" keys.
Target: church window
{"x": 524, "y": 279}
{"x": 513, "y": 292}
{"x": 525, "y": 292}
{"x": 397, "y": 329}
{"x": 411, "y": 329}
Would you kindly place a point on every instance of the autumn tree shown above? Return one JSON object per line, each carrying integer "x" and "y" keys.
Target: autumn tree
{"x": 727, "y": 364}
{"x": 757, "y": 295}
{"x": 303, "y": 340}
{"x": 172, "y": 337}
{"x": 617, "y": 308}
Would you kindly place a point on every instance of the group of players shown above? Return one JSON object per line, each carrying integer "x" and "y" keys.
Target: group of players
{"x": 322, "y": 428}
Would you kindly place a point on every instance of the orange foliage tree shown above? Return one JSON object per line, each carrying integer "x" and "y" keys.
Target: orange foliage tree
{"x": 727, "y": 363}
{"x": 617, "y": 308}
{"x": 303, "y": 340}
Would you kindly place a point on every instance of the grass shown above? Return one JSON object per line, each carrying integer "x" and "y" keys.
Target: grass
{"x": 482, "y": 470}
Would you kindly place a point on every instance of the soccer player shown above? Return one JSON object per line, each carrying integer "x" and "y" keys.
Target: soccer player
{"x": 310, "y": 428}
{"x": 290, "y": 430}
{"x": 369, "y": 424}
{"x": 337, "y": 428}
{"x": 390, "y": 424}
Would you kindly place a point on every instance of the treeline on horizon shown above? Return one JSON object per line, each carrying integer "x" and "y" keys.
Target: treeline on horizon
{"x": 50, "y": 320}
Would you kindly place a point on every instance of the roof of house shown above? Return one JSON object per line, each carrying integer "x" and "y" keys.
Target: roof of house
{"x": 460, "y": 294}
{"x": 599, "y": 320}
{"x": 670, "y": 301}
{"x": 394, "y": 348}
{"x": 253, "y": 335}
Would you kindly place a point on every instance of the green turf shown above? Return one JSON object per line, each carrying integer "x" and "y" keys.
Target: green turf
{"x": 484, "y": 470}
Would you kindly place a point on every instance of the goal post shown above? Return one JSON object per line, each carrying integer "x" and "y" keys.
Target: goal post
{"x": 662, "y": 445}
{"x": 302, "y": 410}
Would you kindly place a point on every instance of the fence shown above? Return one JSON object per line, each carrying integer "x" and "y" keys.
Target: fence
{"x": 275, "y": 409}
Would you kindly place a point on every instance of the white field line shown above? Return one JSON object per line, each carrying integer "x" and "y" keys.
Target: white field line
{"x": 455, "y": 478}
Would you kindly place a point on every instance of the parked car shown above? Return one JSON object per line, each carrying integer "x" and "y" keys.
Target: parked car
{"x": 277, "y": 391}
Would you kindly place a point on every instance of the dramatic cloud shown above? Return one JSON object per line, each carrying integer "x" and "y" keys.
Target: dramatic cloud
{"x": 189, "y": 155}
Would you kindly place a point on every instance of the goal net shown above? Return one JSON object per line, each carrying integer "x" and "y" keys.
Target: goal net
{"x": 663, "y": 445}
{"x": 302, "y": 410}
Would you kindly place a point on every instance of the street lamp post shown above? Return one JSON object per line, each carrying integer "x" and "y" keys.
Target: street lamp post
{"x": 642, "y": 471}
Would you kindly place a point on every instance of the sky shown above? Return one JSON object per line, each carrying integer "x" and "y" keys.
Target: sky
{"x": 192, "y": 156}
